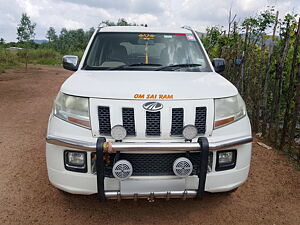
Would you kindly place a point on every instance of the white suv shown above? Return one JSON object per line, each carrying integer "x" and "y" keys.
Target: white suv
{"x": 146, "y": 115}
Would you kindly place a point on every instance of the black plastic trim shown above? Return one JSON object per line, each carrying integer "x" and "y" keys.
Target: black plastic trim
{"x": 177, "y": 121}
{"x": 153, "y": 122}
{"x": 104, "y": 120}
{"x": 128, "y": 120}
{"x": 100, "y": 169}
{"x": 204, "y": 146}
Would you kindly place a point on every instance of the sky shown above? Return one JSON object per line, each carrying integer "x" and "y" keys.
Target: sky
{"x": 74, "y": 14}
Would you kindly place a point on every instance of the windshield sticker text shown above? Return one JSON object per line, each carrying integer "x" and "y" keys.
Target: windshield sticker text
{"x": 153, "y": 96}
{"x": 146, "y": 36}
{"x": 190, "y": 37}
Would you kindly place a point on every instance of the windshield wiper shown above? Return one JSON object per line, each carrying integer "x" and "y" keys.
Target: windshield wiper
{"x": 133, "y": 65}
{"x": 178, "y": 66}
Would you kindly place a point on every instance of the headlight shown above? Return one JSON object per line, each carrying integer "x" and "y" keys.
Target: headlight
{"x": 228, "y": 110}
{"x": 72, "y": 109}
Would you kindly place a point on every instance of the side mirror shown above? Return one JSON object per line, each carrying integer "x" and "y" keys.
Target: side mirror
{"x": 219, "y": 64}
{"x": 70, "y": 62}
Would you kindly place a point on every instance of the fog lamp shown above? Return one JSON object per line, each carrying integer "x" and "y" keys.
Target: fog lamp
{"x": 75, "y": 161}
{"x": 189, "y": 132}
{"x": 226, "y": 160}
{"x": 225, "y": 157}
{"x": 118, "y": 132}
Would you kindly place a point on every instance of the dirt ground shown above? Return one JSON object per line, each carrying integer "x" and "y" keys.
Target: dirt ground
{"x": 271, "y": 194}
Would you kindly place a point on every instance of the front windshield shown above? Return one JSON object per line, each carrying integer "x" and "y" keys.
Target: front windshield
{"x": 151, "y": 51}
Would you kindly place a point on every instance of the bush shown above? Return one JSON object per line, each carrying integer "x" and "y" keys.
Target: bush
{"x": 8, "y": 59}
{"x": 78, "y": 53}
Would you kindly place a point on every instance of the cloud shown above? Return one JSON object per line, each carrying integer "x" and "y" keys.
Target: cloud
{"x": 129, "y": 6}
{"x": 73, "y": 14}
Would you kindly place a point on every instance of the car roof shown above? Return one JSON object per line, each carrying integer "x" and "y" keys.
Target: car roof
{"x": 142, "y": 29}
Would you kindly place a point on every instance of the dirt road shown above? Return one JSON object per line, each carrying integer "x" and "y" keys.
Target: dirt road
{"x": 271, "y": 195}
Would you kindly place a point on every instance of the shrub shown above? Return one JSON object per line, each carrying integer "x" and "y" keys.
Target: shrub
{"x": 8, "y": 59}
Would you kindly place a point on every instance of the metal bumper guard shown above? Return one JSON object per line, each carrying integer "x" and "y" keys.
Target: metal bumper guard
{"x": 107, "y": 147}
{"x": 102, "y": 147}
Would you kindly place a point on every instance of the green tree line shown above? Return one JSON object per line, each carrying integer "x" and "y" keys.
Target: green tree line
{"x": 266, "y": 70}
{"x": 75, "y": 40}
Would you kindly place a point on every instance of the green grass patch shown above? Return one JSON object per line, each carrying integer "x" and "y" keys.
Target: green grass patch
{"x": 13, "y": 58}
{"x": 44, "y": 57}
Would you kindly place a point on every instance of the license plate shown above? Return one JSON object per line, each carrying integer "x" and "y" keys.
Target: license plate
{"x": 132, "y": 186}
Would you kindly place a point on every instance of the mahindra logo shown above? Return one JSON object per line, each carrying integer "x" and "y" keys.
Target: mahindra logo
{"x": 152, "y": 106}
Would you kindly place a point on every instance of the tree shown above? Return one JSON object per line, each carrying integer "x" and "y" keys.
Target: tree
{"x": 291, "y": 89}
{"x": 51, "y": 34}
{"x": 2, "y": 41}
{"x": 25, "y": 30}
{"x": 25, "y": 33}
{"x": 230, "y": 20}
{"x": 121, "y": 22}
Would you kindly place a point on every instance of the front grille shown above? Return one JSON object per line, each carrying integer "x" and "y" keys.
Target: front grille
{"x": 153, "y": 123}
{"x": 104, "y": 120}
{"x": 128, "y": 120}
{"x": 177, "y": 121}
{"x": 200, "y": 119}
{"x": 152, "y": 164}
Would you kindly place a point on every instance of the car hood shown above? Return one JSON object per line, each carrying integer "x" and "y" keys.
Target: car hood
{"x": 163, "y": 85}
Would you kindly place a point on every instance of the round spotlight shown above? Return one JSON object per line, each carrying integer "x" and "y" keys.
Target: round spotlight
{"x": 118, "y": 132}
{"x": 182, "y": 167}
{"x": 122, "y": 169}
{"x": 189, "y": 132}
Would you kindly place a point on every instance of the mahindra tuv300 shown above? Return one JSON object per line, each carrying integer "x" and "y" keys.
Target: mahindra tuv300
{"x": 146, "y": 115}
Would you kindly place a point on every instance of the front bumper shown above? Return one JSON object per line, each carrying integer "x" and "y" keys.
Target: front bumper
{"x": 200, "y": 182}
